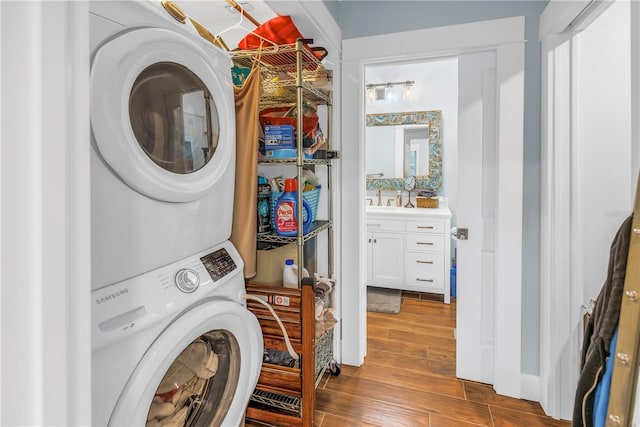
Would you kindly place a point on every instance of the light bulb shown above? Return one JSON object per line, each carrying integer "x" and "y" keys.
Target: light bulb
{"x": 407, "y": 92}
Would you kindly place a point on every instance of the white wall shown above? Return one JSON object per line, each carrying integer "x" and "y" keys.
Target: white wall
{"x": 435, "y": 88}
{"x": 602, "y": 150}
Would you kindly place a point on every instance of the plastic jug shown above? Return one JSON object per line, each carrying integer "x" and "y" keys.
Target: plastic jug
{"x": 286, "y": 212}
{"x": 290, "y": 274}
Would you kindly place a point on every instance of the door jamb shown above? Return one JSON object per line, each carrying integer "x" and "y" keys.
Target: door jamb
{"x": 506, "y": 36}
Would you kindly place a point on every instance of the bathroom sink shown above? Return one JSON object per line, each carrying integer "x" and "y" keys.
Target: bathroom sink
{"x": 405, "y": 211}
{"x": 382, "y": 208}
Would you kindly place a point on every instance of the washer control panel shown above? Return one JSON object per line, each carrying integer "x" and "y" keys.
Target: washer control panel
{"x": 218, "y": 264}
{"x": 187, "y": 280}
{"x": 160, "y": 295}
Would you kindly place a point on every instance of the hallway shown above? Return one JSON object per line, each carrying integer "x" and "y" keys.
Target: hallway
{"x": 408, "y": 379}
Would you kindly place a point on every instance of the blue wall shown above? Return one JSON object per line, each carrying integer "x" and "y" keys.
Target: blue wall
{"x": 368, "y": 18}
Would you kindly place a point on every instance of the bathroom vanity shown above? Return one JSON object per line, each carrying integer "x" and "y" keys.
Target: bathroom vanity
{"x": 409, "y": 249}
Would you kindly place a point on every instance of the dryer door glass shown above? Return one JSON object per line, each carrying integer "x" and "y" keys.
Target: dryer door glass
{"x": 199, "y": 386}
{"x": 174, "y": 117}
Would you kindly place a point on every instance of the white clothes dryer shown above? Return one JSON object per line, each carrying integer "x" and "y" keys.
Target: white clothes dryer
{"x": 176, "y": 346}
{"x": 163, "y": 140}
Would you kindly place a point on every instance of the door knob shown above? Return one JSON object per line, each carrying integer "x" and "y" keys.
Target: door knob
{"x": 459, "y": 233}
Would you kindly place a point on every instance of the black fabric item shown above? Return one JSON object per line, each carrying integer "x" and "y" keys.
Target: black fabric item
{"x": 601, "y": 326}
{"x": 278, "y": 357}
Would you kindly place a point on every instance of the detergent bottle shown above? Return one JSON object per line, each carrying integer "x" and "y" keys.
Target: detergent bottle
{"x": 286, "y": 212}
{"x": 290, "y": 274}
{"x": 264, "y": 202}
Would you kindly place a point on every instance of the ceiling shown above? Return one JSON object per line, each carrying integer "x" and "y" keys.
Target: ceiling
{"x": 223, "y": 20}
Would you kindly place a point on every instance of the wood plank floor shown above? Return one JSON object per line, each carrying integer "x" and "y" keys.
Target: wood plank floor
{"x": 408, "y": 379}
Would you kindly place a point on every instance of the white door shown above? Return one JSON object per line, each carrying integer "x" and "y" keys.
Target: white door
{"x": 369, "y": 256}
{"x": 476, "y": 212}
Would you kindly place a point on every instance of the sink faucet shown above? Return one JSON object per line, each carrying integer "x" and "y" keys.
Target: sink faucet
{"x": 379, "y": 198}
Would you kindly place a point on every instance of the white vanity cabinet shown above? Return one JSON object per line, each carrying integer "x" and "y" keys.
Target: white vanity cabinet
{"x": 385, "y": 245}
{"x": 409, "y": 249}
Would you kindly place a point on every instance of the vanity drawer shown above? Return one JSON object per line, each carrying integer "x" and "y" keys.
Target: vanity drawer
{"x": 424, "y": 270}
{"x": 425, "y": 227}
{"x": 375, "y": 224}
{"x": 424, "y": 242}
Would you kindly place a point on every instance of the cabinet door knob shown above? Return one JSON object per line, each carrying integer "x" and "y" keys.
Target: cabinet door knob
{"x": 428, "y": 227}
{"x": 425, "y": 243}
{"x": 424, "y": 280}
{"x": 424, "y": 262}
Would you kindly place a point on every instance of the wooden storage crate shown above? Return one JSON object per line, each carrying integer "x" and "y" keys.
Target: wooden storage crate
{"x": 285, "y": 396}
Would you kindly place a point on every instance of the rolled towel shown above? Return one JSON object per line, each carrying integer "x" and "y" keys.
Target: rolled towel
{"x": 176, "y": 420}
{"x": 160, "y": 410}
{"x": 201, "y": 360}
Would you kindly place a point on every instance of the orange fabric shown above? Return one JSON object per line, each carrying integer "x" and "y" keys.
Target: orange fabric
{"x": 277, "y": 31}
{"x": 245, "y": 203}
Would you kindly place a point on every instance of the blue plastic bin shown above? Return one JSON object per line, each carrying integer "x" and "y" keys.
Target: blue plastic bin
{"x": 453, "y": 281}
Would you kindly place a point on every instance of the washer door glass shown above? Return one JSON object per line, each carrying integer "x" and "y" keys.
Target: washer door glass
{"x": 174, "y": 118}
{"x": 198, "y": 388}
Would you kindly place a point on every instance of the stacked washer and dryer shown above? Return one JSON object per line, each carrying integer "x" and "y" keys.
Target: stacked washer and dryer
{"x": 172, "y": 340}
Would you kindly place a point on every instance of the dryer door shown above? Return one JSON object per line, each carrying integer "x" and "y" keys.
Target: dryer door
{"x": 201, "y": 371}
{"x": 162, "y": 113}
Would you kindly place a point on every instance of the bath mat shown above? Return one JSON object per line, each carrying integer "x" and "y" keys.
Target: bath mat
{"x": 383, "y": 300}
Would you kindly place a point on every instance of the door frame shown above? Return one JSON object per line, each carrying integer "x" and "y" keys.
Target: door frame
{"x": 560, "y": 296}
{"x": 44, "y": 210}
{"x": 506, "y": 37}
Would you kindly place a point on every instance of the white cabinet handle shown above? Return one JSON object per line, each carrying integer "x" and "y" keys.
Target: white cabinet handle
{"x": 425, "y": 243}
{"x": 373, "y": 225}
{"x": 424, "y": 262}
{"x": 424, "y": 280}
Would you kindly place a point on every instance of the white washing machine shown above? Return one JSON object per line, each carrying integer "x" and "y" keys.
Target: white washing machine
{"x": 163, "y": 140}
{"x": 175, "y": 346}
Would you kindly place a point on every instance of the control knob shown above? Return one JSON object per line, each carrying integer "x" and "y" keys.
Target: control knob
{"x": 187, "y": 280}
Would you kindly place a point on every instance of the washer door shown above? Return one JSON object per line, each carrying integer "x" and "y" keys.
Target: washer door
{"x": 162, "y": 113}
{"x": 200, "y": 371}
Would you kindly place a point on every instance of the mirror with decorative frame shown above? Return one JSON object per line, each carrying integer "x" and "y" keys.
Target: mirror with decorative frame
{"x": 399, "y": 145}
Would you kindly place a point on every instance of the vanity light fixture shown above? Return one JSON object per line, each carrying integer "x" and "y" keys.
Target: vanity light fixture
{"x": 378, "y": 91}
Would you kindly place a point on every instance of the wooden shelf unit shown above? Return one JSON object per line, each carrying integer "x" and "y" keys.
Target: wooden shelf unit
{"x": 285, "y": 396}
